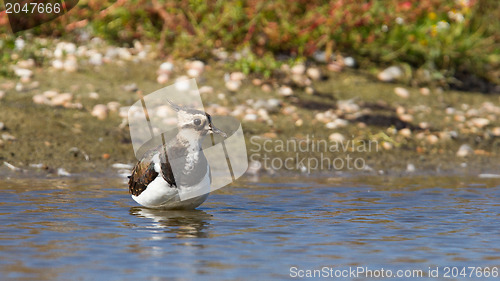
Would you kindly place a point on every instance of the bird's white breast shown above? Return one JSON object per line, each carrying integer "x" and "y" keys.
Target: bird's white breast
{"x": 159, "y": 194}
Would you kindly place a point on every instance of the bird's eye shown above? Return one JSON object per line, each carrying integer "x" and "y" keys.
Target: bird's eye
{"x": 197, "y": 122}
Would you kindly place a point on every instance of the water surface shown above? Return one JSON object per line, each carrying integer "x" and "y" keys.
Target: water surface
{"x": 89, "y": 228}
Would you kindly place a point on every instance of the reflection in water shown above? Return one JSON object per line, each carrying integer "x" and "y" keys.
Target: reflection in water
{"x": 182, "y": 223}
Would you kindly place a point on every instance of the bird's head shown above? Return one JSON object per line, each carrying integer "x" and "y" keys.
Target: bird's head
{"x": 194, "y": 122}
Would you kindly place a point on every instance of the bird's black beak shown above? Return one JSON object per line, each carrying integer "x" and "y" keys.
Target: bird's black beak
{"x": 213, "y": 129}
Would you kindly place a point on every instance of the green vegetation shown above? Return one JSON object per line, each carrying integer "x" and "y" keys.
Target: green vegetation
{"x": 440, "y": 39}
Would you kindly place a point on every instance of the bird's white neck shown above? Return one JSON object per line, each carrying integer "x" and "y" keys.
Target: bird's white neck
{"x": 190, "y": 138}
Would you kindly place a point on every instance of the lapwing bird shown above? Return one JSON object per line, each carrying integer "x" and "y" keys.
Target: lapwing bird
{"x": 176, "y": 166}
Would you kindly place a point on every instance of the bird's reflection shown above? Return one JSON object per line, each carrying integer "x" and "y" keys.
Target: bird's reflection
{"x": 182, "y": 223}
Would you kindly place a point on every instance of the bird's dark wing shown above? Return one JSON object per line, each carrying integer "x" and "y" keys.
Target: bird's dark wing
{"x": 166, "y": 168}
{"x": 142, "y": 175}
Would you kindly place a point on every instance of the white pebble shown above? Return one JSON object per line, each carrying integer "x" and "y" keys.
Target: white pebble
{"x": 298, "y": 69}
{"x": 100, "y": 111}
{"x": 94, "y": 95}
{"x": 61, "y": 99}
{"x": 233, "y": 85}
{"x": 167, "y": 67}
{"x": 58, "y": 64}
{"x": 405, "y": 132}
{"x": 162, "y": 78}
{"x": 465, "y": 150}
{"x": 250, "y": 117}
{"x": 402, "y": 92}
{"x": 285, "y": 91}
{"x": 390, "y": 74}
{"x": 237, "y": 76}
{"x": 314, "y": 73}
{"x": 480, "y": 122}
{"x": 336, "y": 137}
{"x": 206, "y": 90}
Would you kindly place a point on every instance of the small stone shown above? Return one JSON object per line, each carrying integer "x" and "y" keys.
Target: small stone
{"x": 334, "y": 67}
{"x": 237, "y": 76}
{"x": 206, "y": 90}
{"x": 23, "y": 72}
{"x": 58, "y": 64}
{"x": 298, "y": 69}
{"x": 432, "y": 139}
{"x": 406, "y": 117}
{"x": 63, "y": 173}
{"x": 94, "y": 95}
{"x": 198, "y": 65}
{"x": 95, "y": 59}
{"x": 459, "y": 118}
{"x": 410, "y": 168}
{"x": 480, "y": 122}
{"x": 166, "y": 67}
{"x": 106, "y": 156}
{"x": 2, "y": 94}
{"x": 71, "y": 64}
{"x": 299, "y": 122}
{"x": 250, "y": 117}
{"x": 285, "y": 91}
{"x": 337, "y": 123}
{"x": 391, "y": 74}
{"x": 336, "y": 137}
{"x": 29, "y": 63}
{"x": 400, "y": 110}
{"x": 314, "y": 73}
{"x": 130, "y": 87}
{"x": 496, "y": 131}
{"x": 349, "y": 62}
{"x": 387, "y": 145}
{"x": 221, "y": 96}
{"x": 113, "y": 106}
{"x": 233, "y": 85}
{"x": 402, "y": 92}
{"x": 266, "y": 88}
{"x": 193, "y": 73}
{"x": 405, "y": 132}
{"x": 309, "y": 90}
{"x": 425, "y": 91}
{"x": 256, "y": 82}
{"x": 162, "y": 78}
{"x": 465, "y": 150}
{"x": 50, "y": 94}
{"x": 424, "y": 125}
{"x": 61, "y": 99}
{"x": 100, "y": 111}
{"x": 2, "y": 126}
{"x": 8, "y": 137}
{"x": 40, "y": 99}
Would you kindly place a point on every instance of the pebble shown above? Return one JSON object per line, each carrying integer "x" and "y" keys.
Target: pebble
{"x": 197, "y": 64}
{"x": 250, "y": 117}
{"x": 63, "y": 173}
{"x": 237, "y": 76}
{"x": 23, "y": 72}
{"x": 336, "y": 137}
{"x": 390, "y": 74}
{"x": 432, "y": 139}
{"x": 61, "y": 99}
{"x": 113, "y": 106}
{"x": 349, "y": 62}
{"x": 12, "y": 167}
{"x": 40, "y": 99}
{"x": 309, "y": 90}
{"x": 162, "y": 78}
{"x": 70, "y": 65}
{"x": 122, "y": 166}
{"x": 206, "y": 90}
{"x": 406, "y": 117}
{"x": 405, "y": 132}
{"x": 58, "y": 64}
{"x": 334, "y": 67}
{"x": 266, "y": 88}
{"x": 299, "y": 122}
{"x": 100, "y": 111}
{"x": 424, "y": 125}
{"x": 410, "y": 168}
{"x": 221, "y": 96}
{"x": 8, "y": 137}
{"x": 130, "y": 87}
{"x": 50, "y": 94}
{"x": 2, "y": 126}
{"x": 166, "y": 67}
{"x": 256, "y": 82}
{"x": 425, "y": 91}
{"x": 285, "y": 91}
{"x": 233, "y": 85}
{"x": 480, "y": 122}
{"x": 496, "y": 131}
{"x": 94, "y": 95}
{"x": 387, "y": 145}
{"x": 337, "y": 123}
{"x": 465, "y": 150}
{"x": 314, "y": 73}
{"x": 193, "y": 72}
{"x": 298, "y": 69}
{"x": 95, "y": 59}
{"x": 402, "y": 92}
{"x": 2, "y": 94}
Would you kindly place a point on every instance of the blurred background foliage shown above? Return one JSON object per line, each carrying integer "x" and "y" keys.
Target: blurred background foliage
{"x": 439, "y": 39}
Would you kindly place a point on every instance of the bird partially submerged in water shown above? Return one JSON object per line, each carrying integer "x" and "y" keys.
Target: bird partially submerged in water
{"x": 176, "y": 166}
